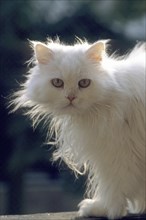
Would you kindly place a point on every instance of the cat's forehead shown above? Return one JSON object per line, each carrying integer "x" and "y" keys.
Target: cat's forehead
{"x": 70, "y": 52}
{"x": 70, "y": 62}
{"x": 69, "y": 68}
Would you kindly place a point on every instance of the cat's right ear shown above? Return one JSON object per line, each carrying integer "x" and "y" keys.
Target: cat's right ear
{"x": 42, "y": 53}
{"x": 95, "y": 52}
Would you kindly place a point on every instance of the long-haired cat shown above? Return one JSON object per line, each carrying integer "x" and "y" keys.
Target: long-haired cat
{"x": 96, "y": 105}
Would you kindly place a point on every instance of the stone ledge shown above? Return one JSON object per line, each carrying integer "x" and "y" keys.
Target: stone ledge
{"x": 63, "y": 216}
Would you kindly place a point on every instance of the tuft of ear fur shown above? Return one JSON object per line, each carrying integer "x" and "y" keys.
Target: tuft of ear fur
{"x": 42, "y": 53}
{"x": 95, "y": 52}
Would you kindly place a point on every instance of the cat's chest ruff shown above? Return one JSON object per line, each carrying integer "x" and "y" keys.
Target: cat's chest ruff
{"x": 93, "y": 130}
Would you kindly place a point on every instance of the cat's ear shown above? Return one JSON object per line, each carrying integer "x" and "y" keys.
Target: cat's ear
{"x": 42, "y": 53}
{"x": 95, "y": 52}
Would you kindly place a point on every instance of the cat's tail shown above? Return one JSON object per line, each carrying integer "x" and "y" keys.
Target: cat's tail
{"x": 139, "y": 51}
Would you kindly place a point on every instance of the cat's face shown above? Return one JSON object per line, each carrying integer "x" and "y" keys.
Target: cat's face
{"x": 64, "y": 81}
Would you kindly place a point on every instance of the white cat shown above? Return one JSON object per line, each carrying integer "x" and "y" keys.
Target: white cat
{"x": 97, "y": 107}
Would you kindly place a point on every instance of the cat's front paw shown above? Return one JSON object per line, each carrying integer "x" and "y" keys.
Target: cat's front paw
{"x": 91, "y": 207}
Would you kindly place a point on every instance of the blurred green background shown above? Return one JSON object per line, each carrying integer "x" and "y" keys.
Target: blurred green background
{"x": 29, "y": 182}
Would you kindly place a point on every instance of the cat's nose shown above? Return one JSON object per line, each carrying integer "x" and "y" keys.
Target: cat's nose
{"x": 71, "y": 98}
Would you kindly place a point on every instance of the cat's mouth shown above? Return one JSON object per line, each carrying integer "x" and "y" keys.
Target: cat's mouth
{"x": 69, "y": 106}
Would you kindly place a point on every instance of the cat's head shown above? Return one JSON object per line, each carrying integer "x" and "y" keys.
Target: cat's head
{"x": 66, "y": 79}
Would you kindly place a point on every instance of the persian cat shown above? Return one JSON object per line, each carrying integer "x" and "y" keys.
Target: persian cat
{"x": 95, "y": 105}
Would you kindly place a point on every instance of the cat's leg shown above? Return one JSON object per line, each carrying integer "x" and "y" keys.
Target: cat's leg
{"x": 117, "y": 206}
{"x": 111, "y": 205}
{"x": 91, "y": 207}
{"x": 137, "y": 204}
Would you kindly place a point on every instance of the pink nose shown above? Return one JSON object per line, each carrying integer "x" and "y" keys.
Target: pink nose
{"x": 70, "y": 98}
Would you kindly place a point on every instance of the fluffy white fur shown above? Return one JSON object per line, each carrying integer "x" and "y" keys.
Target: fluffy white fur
{"x": 102, "y": 132}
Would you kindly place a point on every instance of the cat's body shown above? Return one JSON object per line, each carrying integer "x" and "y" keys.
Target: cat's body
{"x": 97, "y": 106}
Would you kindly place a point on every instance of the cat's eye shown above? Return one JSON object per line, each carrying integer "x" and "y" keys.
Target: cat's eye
{"x": 84, "y": 83}
{"x": 58, "y": 83}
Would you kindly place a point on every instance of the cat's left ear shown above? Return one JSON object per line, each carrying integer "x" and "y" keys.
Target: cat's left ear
{"x": 42, "y": 53}
{"x": 96, "y": 51}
